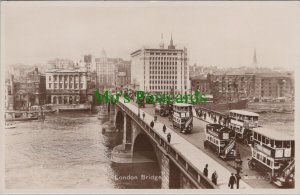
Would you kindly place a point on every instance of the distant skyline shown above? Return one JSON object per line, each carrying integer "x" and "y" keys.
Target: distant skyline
{"x": 222, "y": 34}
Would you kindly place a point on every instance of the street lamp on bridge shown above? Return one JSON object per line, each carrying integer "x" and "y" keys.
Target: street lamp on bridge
{"x": 238, "y": 167}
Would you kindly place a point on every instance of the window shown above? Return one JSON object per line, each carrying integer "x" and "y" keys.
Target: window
{"x": 259, "y": 137}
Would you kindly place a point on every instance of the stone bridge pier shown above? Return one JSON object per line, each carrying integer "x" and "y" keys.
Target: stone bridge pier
{"x": 139, "y": 147}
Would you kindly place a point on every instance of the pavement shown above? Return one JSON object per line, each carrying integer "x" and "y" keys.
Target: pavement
{"x": 253, "y": 178}
{"x": 189, "y": 150}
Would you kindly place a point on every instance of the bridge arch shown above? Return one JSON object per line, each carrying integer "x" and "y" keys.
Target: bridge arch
{"x": 120, "y": 120}
{"x": 143, "y": 147}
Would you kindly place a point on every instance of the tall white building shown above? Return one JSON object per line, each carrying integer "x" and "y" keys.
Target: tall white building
{"x": 106, "y": 71}
{"x": 89, "y": 63}
{"x": 161, "y": 70}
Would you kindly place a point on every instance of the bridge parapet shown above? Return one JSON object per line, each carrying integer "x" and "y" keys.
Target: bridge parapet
{"x": 191, "y": 172}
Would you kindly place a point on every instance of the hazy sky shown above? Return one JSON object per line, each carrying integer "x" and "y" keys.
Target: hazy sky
{"x": 215, "y": 33}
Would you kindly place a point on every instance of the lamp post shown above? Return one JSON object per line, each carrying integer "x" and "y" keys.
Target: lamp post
{"x": 139, "y": 110}
{"x": 238, "y": 167}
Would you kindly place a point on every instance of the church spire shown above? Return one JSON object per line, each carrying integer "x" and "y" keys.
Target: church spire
{"x": 171, "y": 46}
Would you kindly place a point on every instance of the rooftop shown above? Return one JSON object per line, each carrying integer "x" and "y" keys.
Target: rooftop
{"x": 182, "y": 104}
{"x": 244, "y": 112}
{"x": 279, "y": 133}
{"x": 65, "y": 70}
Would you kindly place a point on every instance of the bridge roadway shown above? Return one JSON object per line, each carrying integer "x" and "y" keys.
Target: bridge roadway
{"x": 254, "y": 178}
{"x": 189, "y": 151}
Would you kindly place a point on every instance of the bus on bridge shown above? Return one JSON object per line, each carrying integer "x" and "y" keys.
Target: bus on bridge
{"x": 221, "y": 140}
{"x": 273, "y": 152}
{"x": 242, "y": 122}
{"x": 183, "y": 117}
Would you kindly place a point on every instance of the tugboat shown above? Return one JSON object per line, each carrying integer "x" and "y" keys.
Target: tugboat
{"x": 10, "y": 125}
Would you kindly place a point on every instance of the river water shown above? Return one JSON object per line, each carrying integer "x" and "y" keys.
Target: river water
{"x": 67, "y": 151}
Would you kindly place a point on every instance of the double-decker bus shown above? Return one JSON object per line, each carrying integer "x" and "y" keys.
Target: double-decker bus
{"x": 242, "y": 122}
{"x": 273, "y": 151}
{"x": 182, "y": 117}
{"x": 221, "y": 140}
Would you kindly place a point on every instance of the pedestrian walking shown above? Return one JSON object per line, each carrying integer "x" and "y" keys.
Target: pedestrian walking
{"x": 205, "y": 170}
{"x": 152, "y": 124}
{"x": 232, "y": 181}
{"x": 143, "y": 115}
{"x": 164, "y": 128}
{"x": 214, "y": 177}
{"x": 204, "y": 116}
{"x": 169, "y": 137}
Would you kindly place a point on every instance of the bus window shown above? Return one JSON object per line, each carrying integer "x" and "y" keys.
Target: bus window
{"x": 255, "y": 135}
{"x": 257, "y": 155}
{"x": 217, "y": 142}
{"x": 259, "y": 137}
{"x": 254, "y": 153}
{"x": 286, "y": 144}
{"x": 268, "y": 162}
{"x": 276, "y": 164}
{"x": 267, "y": 141}
{"x": 272, "y": 143}
{"x": 263, "y": 139}
{"x": 264, "y": 159}
{"x": 278, "y": 144}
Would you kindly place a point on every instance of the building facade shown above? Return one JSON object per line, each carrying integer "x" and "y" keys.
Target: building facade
{"x": 224, "y": 87}
{"x": 30, "y": 91}
{"x": 123, "y": 74}
{"x": 9, "y": 94}
{"x": 106, "y": 71}
{"x": 201, "y": 84}
{"x": 66, "y": 86}
{"x": 60, "y": 63}
{"x": 229, "y": 87}
{"x": 273, "y": 85}
{"x": 89, "y": 63}
{"x": 160, "y": 70}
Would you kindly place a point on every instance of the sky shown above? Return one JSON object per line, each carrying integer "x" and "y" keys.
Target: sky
{"x": 223, "y": 34}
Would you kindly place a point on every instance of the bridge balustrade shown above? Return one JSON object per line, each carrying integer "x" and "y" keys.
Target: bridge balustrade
{"x": 194, "y": 174}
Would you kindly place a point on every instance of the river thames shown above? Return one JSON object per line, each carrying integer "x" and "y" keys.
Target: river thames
{"x": 67, "y": 151}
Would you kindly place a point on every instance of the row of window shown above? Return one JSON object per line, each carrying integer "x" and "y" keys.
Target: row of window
{"x": 163, "y": 58}
{"x": 163, "y": 72}
{"x": 163, "y": 82}
{"x": 163, "y": 87}
{"x": 163, "y": 63}
{"x": 60, "y": 86}
{"x": 152, "y": 53}
{"x": 163, "y": 77}
{"x": 65, "y": 78}
{"x": 213, "y": 140}
{"x": 163, "y": 67}
{"x": 271, "y": 143}
{"x": 263, "y": 158}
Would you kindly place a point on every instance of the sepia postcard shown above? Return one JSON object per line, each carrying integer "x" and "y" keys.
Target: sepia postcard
{"x": 153, "y": 97}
